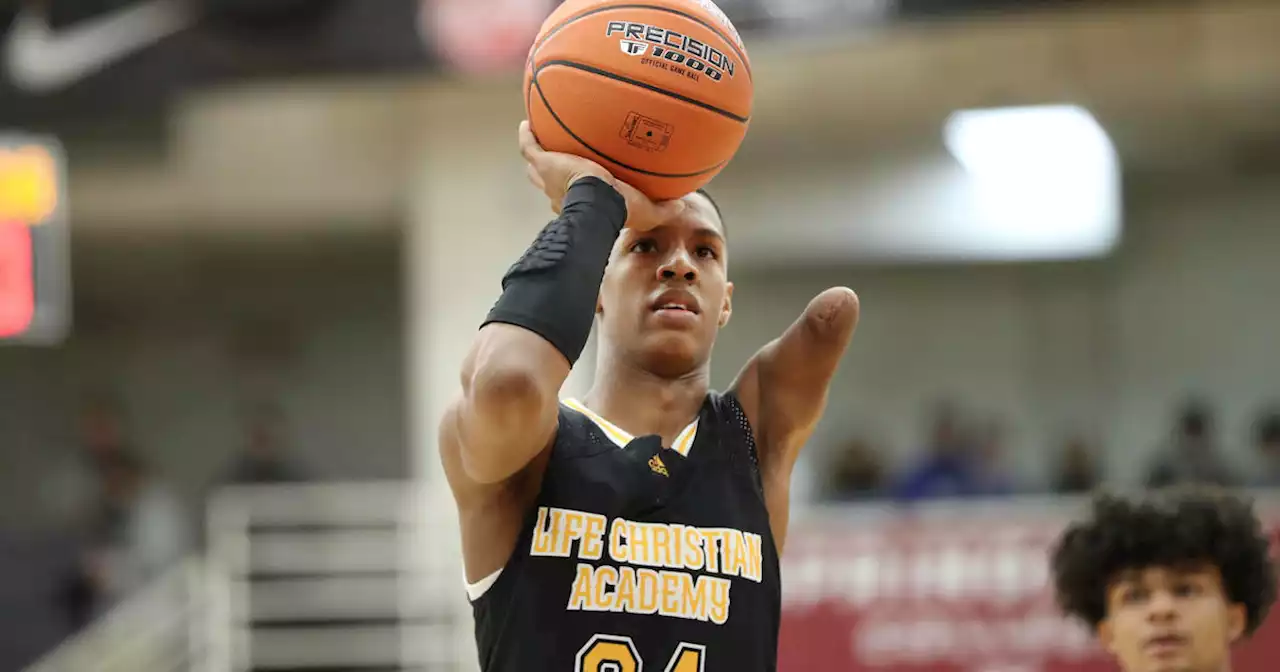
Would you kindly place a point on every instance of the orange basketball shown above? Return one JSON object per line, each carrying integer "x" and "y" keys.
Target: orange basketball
{"x": 657, "y": 91}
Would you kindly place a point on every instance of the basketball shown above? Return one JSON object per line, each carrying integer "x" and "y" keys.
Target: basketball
{"x": 658, "y": 92}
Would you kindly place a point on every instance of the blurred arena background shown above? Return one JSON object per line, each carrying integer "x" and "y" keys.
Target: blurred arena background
{"x": 244, "y": 245}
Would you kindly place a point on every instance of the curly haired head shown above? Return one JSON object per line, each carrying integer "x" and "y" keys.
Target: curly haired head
{"x": 1181, "y": 531}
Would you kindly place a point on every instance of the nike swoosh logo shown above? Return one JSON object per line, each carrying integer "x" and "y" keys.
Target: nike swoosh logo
{"x": 43, "y": 60}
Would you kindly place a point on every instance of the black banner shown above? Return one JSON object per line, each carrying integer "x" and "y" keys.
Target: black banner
{"x": 70, "y": 63}
{"x": 86, "y": 59}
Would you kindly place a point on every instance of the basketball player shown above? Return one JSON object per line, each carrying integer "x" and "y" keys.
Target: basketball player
{"x": 640, "y": 528}
{"x": 1168, "y": 582}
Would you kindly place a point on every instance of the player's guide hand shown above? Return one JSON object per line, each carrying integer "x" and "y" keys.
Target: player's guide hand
{"x": 554, "y": 173}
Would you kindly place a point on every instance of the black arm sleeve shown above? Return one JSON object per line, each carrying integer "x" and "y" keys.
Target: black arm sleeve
{"x": 552, "y": 289}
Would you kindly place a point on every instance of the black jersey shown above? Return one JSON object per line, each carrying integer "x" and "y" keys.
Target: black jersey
{"x": 639, "y": 558}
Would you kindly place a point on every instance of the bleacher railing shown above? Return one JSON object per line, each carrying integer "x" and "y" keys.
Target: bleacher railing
{"x": 306, "y": 578}
{"x": 160, "y": 629}
{"x": 332, "y": 576}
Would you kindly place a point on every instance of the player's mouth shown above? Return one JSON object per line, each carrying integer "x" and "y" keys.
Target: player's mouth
{"x": 675, "y": 309}
{"x": 1166, "y": 644}
{"x": 675, "y": 300}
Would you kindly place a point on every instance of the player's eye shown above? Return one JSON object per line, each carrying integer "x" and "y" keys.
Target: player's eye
{"x": 1132, "y": 594}
{"x": 1186, "y": 589}
{"x": 643, "y": 246}
{"x": 706, "y": 252}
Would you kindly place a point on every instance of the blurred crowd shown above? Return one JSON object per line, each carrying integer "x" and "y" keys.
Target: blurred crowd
{"x": 126, "y": 521}
{"x": 964, "y": 457}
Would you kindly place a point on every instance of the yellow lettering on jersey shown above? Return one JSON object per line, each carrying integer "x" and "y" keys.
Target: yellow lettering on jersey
{"x": 695, "y": 556}
{"x": 639, "y": 549}
{"x": 580, "y": 597}
{"x": 646, "y": 591}
{"x": 651, "y": 564}
{"x": 755, "y": 557}
{"x": 573, "y": 526}
{"x": 543, "y": 537}
{"x": 710, "y": 545}
{"x": 618, "y": 541}
{"x": 556, "y": 530}
{"x": 662, "y": 545}
{"x": 592, "y": 546}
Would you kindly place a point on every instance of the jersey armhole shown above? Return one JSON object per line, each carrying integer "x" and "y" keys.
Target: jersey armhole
{"x": 736, "y": 417}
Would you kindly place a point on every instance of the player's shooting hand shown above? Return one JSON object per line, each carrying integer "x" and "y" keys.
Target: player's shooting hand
{"x": 554, "y": 173}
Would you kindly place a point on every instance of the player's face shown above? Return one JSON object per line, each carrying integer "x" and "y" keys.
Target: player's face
{"x": 1163, "y": 619}
{"x": 665, "y": 294}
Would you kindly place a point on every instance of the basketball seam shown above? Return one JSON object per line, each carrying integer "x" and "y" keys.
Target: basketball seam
{"x": 733, "y": 44}
{"x": 643, "y": 85}
{"x": 535, "y": 85}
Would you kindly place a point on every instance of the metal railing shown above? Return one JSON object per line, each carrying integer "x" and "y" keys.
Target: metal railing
{"x": 334, "y": 575}
{"x": 297, "y": 577}
{"x": 157, "y": 630}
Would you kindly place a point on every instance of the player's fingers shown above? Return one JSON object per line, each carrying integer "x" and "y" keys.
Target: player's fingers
{"x": 534, "y": 178}
{"x": 529, "y": 147}
{"x": 667, "y": 210}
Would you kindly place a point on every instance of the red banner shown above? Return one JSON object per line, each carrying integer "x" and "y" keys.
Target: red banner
{"x": 964, "y": 589}
{"x": 17, "y": 287}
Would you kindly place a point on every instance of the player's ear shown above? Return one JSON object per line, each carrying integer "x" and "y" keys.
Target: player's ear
{"x": 605, "y": 280}
{"x": 1106, "y": 636}
{"x": 726, "y": 310}
{"x": 1237, "y": 620}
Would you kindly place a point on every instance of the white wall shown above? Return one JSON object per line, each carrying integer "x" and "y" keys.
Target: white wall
{"x": 1104, "y": 347}
{"x": 157, "y": 319}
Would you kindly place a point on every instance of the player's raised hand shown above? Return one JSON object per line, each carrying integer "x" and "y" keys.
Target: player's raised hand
{"x": 554, "y": 173}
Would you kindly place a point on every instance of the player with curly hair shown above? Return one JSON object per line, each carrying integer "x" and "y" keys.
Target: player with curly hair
{"x": 1169, "y": 581}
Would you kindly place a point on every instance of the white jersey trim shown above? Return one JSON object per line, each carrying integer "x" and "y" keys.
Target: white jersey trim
{"x": 477, "y": 590}
{"x": 682, "y": 444}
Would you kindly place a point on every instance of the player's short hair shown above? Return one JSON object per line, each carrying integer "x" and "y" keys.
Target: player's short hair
{"x": 724, "y": 227}
{"x": 1169, "y": 528}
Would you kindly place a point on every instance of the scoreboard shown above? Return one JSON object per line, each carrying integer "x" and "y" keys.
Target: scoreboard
{"x": 34, "y": 251}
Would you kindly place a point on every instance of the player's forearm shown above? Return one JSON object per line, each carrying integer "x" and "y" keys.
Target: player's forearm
{"x": 536, "y": 332}
{"x": 552, "y": 290}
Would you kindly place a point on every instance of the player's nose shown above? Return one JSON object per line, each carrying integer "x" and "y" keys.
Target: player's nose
{"x": 678, "y": 265}
{"x": 1162, "y": 606}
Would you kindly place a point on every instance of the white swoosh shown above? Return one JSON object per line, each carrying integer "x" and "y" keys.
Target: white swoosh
{"x": 42, "y": 60}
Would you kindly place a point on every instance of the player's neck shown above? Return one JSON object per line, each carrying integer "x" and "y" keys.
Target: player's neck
{"x": 641, "y": 403}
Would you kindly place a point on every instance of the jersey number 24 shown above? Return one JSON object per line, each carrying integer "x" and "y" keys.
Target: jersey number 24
{"x": 616, "y": 653}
